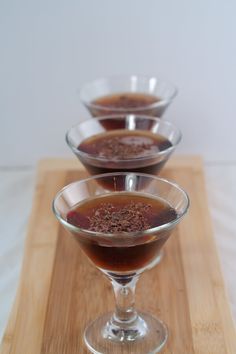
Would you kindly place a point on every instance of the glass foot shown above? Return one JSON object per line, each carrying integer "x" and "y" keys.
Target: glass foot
{"x": 145, "y": 335}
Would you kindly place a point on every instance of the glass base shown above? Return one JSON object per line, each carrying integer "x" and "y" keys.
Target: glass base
{"x": 145, "y": 335}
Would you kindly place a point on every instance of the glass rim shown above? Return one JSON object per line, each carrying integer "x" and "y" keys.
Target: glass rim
{"x": 157, "y": 104}
{"x": 136, "y": 234}
{"x": 122, "y": 117}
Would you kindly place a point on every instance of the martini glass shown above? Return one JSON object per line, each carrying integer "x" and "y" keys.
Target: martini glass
{"x": 163, "y": 90}
{"x": 123, "y": 257}
{"x": 151, "y": 163}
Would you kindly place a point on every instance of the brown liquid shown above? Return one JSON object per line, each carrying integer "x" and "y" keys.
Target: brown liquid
{"x": 124, "y": 103}
{"x": 127, "y": 100}
{"x": 124, "y": 150}
{"x": 125, "y": 212}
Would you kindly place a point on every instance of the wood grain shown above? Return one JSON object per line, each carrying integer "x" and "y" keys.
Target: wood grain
{"x": 60, "y": 292}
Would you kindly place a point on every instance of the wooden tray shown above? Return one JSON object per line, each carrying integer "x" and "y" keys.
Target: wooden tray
{"x": 60, "y": 292}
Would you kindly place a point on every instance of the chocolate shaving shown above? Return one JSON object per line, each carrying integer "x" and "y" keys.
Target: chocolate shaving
{"x": 115, "y": 148}
{"x": 130, "y": 218}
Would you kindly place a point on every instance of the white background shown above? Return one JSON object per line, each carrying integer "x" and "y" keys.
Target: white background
{"x": 50, "y": 48}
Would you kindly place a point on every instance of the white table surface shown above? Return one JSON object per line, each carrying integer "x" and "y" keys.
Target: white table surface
{"x": 16, "y": 192}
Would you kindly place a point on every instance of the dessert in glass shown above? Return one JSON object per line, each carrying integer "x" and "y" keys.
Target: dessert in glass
{"x": 147, "y": 95}
{"x": 140, "y": 144}
{"x": 121, "y": 232}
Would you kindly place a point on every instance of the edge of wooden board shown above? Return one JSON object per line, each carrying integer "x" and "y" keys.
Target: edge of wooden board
{"x": 220, "y": 290}
{"x": 8, "y": 344}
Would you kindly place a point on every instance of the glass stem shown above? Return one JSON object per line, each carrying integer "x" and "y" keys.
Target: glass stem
{"x": 125, "y": 299}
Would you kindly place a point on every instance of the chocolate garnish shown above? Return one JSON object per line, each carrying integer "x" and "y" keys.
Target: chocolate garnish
{"x": 114, "y": 147}
{"x": 130, "y": 218}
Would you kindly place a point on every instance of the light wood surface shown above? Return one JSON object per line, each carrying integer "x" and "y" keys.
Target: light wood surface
{"x": 60, "y": 292}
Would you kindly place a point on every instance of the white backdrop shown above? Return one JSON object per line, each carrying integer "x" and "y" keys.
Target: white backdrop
{"x": 48, "y": 49}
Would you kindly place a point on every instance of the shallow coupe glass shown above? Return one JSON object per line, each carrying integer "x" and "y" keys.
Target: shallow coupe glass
{"x": 122, "y": 257}
{"x": 95, "y": 164}
{"x": 150, "y": 85}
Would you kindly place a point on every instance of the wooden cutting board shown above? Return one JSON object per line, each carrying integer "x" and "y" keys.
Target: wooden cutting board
{"x": 60, "y": 292}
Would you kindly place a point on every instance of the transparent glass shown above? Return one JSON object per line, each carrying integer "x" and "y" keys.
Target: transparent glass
{"x": 148, "y": 164}
{"x": 120, "y": 256}
{"x": 150, "y": 85}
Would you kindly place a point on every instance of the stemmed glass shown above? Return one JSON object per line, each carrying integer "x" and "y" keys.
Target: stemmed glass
{"x": 137, "y": 84}
{"x": 150, "y": 163}
{"x": 123, "y": 257}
